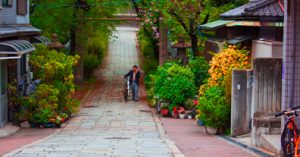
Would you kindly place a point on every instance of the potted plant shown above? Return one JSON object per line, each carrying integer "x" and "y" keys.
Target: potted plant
{"x": 175, "y": 112}
{"x": 181, "y": 112}
{"x": 214, "y": 110}
{"x": 190, "y": 108}
{"x": 164, "y": 111}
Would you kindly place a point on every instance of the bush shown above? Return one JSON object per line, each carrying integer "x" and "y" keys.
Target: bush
{"x": 53, "y": 96}
{"x": 150, "y": 58}
{"x": 41, "y": 105}
{"x": 214, "y": 111}
{"x": 90, "y": 61}
{"x": 96, "y": 49}
{"x": 174, "y": 83}
{"x": 199, "y": 67}
{"x": 215, "y": 95}
{"x": 189, "y": 104}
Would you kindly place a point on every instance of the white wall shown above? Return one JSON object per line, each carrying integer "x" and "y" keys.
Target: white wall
{"x": 24, "y": 19}
{"x": 8, "y": 15}
{"x": 267, "y": 49}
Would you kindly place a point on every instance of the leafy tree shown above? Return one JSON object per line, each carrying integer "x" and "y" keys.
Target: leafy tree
{"x": 188, "y": 15}
{"x": 74, "y": 20}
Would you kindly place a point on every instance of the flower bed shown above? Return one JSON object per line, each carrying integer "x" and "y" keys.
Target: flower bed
{"x": 51, "y": 104}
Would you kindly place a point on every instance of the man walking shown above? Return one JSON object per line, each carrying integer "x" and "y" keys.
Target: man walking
{"x": 134, "y": 76}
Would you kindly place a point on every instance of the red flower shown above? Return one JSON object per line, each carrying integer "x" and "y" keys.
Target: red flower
{"x": 175, "y": 109}
{"x": 181, "y": 110}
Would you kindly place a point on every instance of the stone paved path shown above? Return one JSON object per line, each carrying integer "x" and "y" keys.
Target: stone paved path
{"x": 106, "y": 126}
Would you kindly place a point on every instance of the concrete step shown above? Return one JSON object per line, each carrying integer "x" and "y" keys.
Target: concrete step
{"x": 271, "y": 143}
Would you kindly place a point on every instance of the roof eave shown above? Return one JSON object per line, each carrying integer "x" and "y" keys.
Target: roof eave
{"x": 254, "y": 18}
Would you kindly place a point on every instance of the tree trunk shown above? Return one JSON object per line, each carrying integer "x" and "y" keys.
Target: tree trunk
{"x": 79, "y": 71}
{"x": 194, "y": 40}
{"x": 73, "y": 41}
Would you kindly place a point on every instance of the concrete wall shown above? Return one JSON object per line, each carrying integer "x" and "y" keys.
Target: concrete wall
{"x": 267, "y": 49}
{"x": 291, "y": 53}
{"x": 241, "y": 102}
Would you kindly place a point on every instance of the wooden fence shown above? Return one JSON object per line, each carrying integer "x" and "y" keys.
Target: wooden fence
{"x": 267, "y": 95}
{"x": 267, "y": 85}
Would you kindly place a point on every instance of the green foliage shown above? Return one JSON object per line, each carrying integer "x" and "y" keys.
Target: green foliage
{"x": 90, "y": 61}
{"x": 53, "y": 96}
{"x": 174, "y": 83}
{"x": 41, "y": 105}
{"x": 96, "y": 48}
{"x": 216, "y": 7}
{"x": 189, "y": 104}
{"x": 150, "y": 57}
{"x": 51, "y": 66}
{"x": 214, "y": 111}
{"x": 199, "y": 66}
{"x": 60, "y": 16}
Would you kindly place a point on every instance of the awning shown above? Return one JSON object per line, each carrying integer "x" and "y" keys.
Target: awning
{"x": 216, "y": 24}
{"x": 240, "y": 39}
{"x": 16, "y": 47}
{"x": 254, "y": 24}
{"x": 14, "y": 30}
{"x": 40, "y": 40}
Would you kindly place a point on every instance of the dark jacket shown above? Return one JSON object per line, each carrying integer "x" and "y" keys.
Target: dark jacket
{"x": 137, "y": 76}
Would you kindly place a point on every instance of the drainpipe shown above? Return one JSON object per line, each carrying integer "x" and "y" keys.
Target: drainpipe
{"x": 292, "y": 97}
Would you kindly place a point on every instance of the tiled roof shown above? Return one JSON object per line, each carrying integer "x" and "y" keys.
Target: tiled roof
{"x": 256, "y": 9}
{"x": 13, "y": 30}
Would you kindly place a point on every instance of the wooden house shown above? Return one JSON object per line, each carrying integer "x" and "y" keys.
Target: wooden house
{"x": 16, "y": 35}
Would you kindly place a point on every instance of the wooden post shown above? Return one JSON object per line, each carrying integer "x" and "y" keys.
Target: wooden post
{"x": 163, "y": 41}
{"x": 240, "y": 107}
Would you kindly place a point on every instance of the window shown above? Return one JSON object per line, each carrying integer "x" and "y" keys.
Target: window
{"x": 21, "y": 7}
{"x": 7, "y": 3}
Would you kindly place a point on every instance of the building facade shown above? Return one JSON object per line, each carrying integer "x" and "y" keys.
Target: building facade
{"x": 16, "y": 35}
{"x": 291, "y": 55}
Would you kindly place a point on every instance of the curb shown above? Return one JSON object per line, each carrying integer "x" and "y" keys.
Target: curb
{"x": 33, "y": 143}
{"x": 48, "y": 137}
{"x": 8, "y": 130}
{"x": 248, "y": 148}
{"x": 171, "y": 144}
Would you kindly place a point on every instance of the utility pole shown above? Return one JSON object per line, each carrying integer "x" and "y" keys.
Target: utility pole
{"x": 80, "y": 8}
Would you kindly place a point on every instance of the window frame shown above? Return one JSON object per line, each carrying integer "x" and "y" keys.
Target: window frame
{"x": 4, "y": 5}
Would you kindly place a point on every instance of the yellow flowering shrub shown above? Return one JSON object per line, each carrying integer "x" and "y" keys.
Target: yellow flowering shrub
{"x": 215, "y": 95}
{"x": 223, "y": 63}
